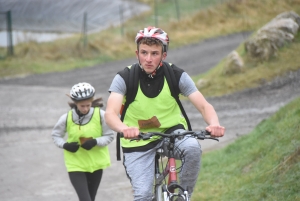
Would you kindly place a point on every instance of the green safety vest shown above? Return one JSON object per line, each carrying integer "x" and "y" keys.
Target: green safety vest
{"x": 131, "y": 79}
{"x": 86, "y": 160}
{"x": 165, "y": 109}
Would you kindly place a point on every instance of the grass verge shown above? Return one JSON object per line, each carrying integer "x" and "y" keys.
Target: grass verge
{"x": 263, "y": 165}
{"x": 253, "y": 74}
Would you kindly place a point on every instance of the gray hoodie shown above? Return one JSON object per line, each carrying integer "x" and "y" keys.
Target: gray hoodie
{"x": 59, "y": 130}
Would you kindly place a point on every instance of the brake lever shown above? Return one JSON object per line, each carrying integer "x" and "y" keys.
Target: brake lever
{"x": 144, "y": 136}
{"x": 134, "y": 139}
{"x": 141, "y": 136}
{"x": 211, "y": 138}
{"x": 202, "y": 136}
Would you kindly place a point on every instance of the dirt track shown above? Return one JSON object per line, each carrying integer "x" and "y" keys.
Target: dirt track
{"x": 32, "y": 167}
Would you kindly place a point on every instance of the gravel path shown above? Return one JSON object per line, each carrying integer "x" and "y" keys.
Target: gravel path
{"x": 33, "y": 168}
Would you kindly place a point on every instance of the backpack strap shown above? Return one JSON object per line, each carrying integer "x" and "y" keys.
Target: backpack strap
{"x": 118, "y": 146}
{"x": 132, "y": 83}
{"x": 174, "y": 88}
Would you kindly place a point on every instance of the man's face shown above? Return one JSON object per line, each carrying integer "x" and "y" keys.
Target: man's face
{"x": 150, "y": 56}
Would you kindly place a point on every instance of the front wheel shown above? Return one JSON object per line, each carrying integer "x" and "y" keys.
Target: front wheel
{"x": 161, "y": 194}
{"x": 158, "y": 194}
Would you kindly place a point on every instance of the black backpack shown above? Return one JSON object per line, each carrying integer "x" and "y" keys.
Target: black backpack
{"x": 132, "y": 83}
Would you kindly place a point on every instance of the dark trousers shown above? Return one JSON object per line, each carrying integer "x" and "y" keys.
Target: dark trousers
{"x": 86, "y": 184}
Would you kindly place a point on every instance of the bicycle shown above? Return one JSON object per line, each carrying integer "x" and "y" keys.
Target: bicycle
{"x": 169, "y": 190}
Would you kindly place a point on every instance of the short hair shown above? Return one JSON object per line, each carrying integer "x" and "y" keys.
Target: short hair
{"x": 150, "y": 41}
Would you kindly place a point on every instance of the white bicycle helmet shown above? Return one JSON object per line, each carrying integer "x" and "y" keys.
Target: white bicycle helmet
{"x": 153, "y": 32}
{"x": 82, "y": 91}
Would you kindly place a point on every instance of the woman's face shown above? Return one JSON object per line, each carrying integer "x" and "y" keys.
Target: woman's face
{"x": 84, "y": 106}
{"x": 150, "y": 56}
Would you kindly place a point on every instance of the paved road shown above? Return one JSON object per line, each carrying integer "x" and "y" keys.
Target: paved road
{"x": 32, "y": 167}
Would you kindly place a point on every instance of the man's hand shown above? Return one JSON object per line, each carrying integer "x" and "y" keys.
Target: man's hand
{"x": 216, "y": 131}
{"x": 130, "y": 132}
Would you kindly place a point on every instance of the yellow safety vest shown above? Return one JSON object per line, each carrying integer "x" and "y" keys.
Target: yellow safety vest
{"x": 86, "y": 160}
{"x": 152, "y": 114}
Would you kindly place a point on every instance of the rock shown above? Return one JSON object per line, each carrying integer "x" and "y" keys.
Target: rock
{"x": 234, "y": 64}
{"x": 265, "y": 43}
{"x": 287, "y": 25}
{"x": 288, "y": 14}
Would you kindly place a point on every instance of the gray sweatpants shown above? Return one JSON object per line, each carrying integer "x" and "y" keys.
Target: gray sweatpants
{"x": 139, "y": 167}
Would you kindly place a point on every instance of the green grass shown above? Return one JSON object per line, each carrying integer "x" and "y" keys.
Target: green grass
{"x": 263, "y": 165}
{"x": 254, "y": 73}
{"x": 199, "y": 20}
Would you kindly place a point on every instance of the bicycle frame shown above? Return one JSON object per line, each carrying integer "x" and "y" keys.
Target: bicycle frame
{"x": 166, "y": 192}
{"x": 162, "y": 191}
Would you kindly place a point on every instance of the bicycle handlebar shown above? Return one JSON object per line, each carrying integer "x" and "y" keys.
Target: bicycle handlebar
{"x": 201, "y": 135}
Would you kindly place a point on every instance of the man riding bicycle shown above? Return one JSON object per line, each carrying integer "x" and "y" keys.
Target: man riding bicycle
{"x": 155, "y": 108}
